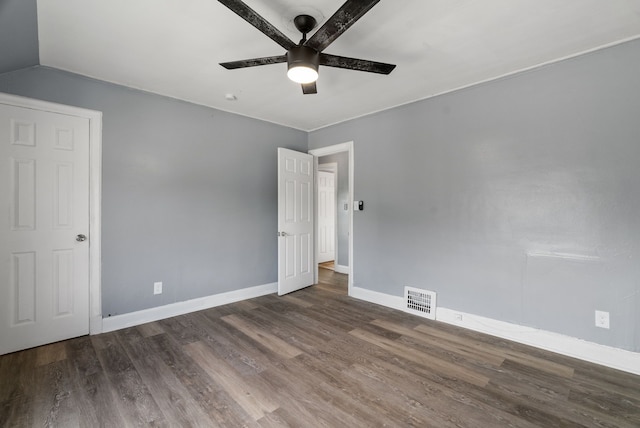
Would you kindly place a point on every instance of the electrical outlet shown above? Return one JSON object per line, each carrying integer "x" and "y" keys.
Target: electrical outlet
{"x": 157, "y": 288}
{"x": 602, "y": 319}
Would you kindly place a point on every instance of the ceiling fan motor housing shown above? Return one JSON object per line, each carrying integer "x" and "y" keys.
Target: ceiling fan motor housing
{"x": 303, "y": 56}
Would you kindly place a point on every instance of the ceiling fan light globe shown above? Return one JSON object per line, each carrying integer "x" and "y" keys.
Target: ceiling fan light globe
{"x": 302, "y": 74}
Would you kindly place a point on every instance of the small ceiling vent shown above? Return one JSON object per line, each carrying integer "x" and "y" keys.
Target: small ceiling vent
{"x": 420, "y": 302}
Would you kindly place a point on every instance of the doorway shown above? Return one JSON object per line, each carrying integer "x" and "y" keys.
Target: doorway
{"x": 336, "y": 159}
{"x": 327, "y": 215}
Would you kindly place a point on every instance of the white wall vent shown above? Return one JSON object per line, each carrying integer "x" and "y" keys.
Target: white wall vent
{"x": 420, "y": 302}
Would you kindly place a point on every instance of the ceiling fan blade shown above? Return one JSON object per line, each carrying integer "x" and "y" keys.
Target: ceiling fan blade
{"x": 253, "y": 62}
{"x": 309, "y": 88}
{"x": 252, "y": 17}
{"x": 339, "y": 22}
{"x": 356, "y": 64}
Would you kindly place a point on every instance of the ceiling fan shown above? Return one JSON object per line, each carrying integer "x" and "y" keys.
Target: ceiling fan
{"x": 305, "y": 57}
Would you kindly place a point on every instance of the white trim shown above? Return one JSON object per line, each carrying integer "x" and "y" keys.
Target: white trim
{"x": 341, "y": 268}
{"x": 316, "y": 223}
{"x": 180, "y": 308}
{"x": 95, "y": 225}
{"x": 330, "y": 150}
{"x": 382, "y": 299}
{"x": 566, "y": 345}
{"x": 608, "y": 356}
{"x": 95, "y": 193}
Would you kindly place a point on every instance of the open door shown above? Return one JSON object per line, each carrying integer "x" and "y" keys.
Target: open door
{"x": 295, "y": 221}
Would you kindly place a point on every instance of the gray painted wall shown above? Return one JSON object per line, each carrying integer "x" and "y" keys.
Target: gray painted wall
{"x": 342, "y": 217}
{"x": 517, "y": 200}
{"x": 18, "y": 35}
{"x": 189, "y": 193}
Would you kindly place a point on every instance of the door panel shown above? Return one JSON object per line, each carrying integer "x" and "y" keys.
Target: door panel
{"x": 23, "y": 288}
{"x": 23, "y": 195}
{"x": 44, "y": 271}
{"x": 295, "y": 220}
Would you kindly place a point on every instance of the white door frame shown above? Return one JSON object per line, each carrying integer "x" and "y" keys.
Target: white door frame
{"x": 324, "y": 151}
{"x": 95, "y": 193}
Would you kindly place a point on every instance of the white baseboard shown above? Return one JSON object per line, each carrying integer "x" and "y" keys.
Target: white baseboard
{"x": 608, "y": 356}
{"x": 180, "y": 308}
{"x": 341, "y": 268}
{"x": 566, "y": 345}
{"x": 394, "y": 302}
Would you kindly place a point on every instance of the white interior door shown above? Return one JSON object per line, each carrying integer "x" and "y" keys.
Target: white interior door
{"x": 326, "y": 216}
{"x": 44, "y": 201}
{"x": 295, "y": 220}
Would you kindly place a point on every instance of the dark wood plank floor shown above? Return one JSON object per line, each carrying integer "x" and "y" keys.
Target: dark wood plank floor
{"x": 313, "y": 358}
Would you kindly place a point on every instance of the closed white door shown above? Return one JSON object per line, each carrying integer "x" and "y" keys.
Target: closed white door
{"x": 326, "y": 216}
{"x": 295, "y": 220}
{"x": 44, "y": 227}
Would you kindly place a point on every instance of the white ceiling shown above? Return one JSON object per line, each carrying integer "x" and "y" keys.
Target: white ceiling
{"x": 173, "y": 47}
